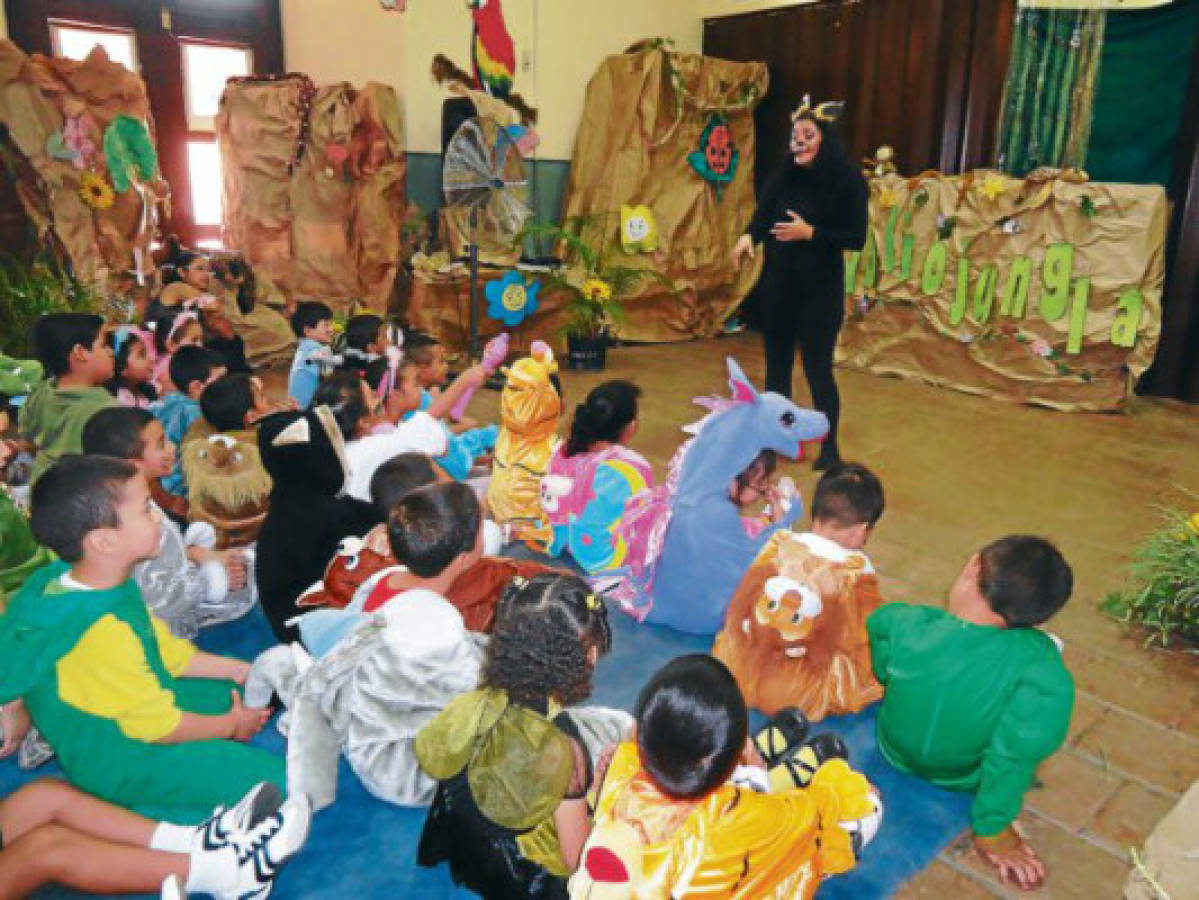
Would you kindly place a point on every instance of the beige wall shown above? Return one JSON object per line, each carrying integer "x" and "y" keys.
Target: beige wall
{"x": 3, "y": 23}
{"x": 559, "y": 44}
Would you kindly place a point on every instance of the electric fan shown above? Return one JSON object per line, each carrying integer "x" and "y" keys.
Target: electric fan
{"x": 484, "y": 176}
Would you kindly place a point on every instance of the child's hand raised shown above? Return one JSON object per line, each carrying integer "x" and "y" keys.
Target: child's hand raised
{"x": 247, "y": 721}
{"x": 1016, "y": 862}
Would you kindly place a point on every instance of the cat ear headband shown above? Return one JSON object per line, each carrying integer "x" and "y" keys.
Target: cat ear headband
{"x": 828, "y": 112}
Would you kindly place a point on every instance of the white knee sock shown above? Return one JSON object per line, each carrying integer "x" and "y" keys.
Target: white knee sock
{"x": 172, "y": 838}
{"x": 212, "y": 871}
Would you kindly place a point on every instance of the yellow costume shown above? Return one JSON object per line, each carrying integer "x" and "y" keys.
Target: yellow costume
{"x": 733, "y": 843}
{"x": 530, "y": 408}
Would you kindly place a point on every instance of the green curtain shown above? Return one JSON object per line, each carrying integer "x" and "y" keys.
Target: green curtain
{"x": 1144, "y": 67}
{"x": 1048, "y": 96}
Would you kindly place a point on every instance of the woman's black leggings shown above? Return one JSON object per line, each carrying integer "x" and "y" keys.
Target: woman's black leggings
{"x": 811, "y": 319}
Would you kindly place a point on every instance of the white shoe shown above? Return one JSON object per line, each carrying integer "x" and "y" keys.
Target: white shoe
{"x": 230, "y": 824}
{"x": 171, "y": 889}
{"x": 264, "y": 850}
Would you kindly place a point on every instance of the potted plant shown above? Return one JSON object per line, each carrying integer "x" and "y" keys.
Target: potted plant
{"x": 594, "y": 288}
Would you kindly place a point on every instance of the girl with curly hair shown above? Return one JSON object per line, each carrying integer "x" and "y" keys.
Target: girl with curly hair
{"x": 509, "y": 815}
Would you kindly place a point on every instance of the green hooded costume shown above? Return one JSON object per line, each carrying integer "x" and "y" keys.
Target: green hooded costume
{"x": 53, "y": 418}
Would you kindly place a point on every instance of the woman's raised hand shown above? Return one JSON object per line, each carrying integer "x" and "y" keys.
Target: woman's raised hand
{"x": 794, "y": 229}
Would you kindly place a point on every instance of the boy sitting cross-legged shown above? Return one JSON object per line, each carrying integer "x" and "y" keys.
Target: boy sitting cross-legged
{"x": 135, "y": 715}
{"x": 976, "y": 695}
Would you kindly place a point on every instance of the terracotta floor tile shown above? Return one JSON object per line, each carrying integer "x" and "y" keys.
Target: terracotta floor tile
{"x": 1087, "y": 711}
{"x": 940, "y": 882}
{"x": 1127, "y": 818}
{"x": 1165, "y": 759}
{"x": 1073, "y": 790}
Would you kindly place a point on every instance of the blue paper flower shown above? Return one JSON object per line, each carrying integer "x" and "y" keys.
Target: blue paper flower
{"x": 512, "y": 299}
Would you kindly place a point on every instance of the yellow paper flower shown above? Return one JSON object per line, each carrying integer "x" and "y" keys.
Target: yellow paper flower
{"x": 887, "y": 198}
{"x": 1193, "y": 523}
{"x": 992, "y": 186}
{"x": 95, "y": 191}
{"x": 597, "y": 289}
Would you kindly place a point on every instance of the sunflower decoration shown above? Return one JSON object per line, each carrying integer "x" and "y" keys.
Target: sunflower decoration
{"x": 992, "y": 186}
{"x": 597, "y": 290}
{"x": 95, "y": 191}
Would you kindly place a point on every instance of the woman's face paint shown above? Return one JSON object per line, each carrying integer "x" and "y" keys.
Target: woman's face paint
{"x": 806, "y": 138}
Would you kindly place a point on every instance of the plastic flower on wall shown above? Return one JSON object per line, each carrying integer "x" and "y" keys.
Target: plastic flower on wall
{"x": 512, "y": 299}
{"x": 992, "y": 186}
{"x": 95, "y": 191}
{"x": 1040, "y": 347}
{"x": 597, "y": 290}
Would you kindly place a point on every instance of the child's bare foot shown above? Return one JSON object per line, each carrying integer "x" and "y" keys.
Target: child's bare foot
{"x": 1016, "y": 862}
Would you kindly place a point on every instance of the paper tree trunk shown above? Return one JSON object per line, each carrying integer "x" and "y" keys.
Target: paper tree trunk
{"x": 646, "y": 114}
{"x": 329, "y": 227}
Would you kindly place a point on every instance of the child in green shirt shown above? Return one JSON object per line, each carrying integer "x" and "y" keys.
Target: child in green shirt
{"x": 976, "y": 695}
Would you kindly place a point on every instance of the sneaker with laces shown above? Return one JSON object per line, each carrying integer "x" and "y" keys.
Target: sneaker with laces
{"x": 264, "y": 850}
{"x": 230, "y": 823}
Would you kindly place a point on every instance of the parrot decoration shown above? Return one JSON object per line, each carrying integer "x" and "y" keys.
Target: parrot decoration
{"x": 493, "y": 52}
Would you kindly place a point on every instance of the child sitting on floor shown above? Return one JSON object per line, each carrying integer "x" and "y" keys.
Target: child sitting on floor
{"x": 504, "y": 831}
{"x": 77, "y": 358}
{"x": 468, "y": 445}
{"x": 976, "y": 695}
{"x": 135, "y": 715}
{"x": 133, "y": 367}
{"x": 232, "y": 404}
{"x": 172, "y": 332}
{"x": 192, "y": 369}
{"x": 370, "y": 441}
{"x": 670, "y": 822}
{"x": 51, "y": 833}
{"x": 755, "y": 484}
{"x": 313, "y": 324}
{"x": 592, "y": 476}
{"x": 188, "y": 584}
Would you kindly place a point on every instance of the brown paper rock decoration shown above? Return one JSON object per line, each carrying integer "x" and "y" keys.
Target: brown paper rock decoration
{"x": 1045, "y": 290}
{"x": 55, "y": 111}
{"x": 315, "y": 228}
{"x": 646, "y": 112}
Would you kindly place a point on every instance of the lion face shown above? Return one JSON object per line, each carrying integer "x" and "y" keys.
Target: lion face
{"x": 789, "y": 607}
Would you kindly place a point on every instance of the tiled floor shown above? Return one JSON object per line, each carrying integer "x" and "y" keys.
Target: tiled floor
{"x": 960, "y": 471}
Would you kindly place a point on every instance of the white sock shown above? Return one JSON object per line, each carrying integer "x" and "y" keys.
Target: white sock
{"x": 212, "y": 871}
{"x": 172, "y": 838}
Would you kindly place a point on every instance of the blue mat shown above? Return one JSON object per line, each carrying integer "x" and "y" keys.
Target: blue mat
{"x": 365, "y": 849}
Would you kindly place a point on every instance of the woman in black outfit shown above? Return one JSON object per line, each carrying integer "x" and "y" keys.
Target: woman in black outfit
{"x": 813, "y": 208}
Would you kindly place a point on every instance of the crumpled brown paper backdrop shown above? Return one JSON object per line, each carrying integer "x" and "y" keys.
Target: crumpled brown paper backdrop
{"x": 909, "y": 334}
{"x": 33, "y": 93}
{"x": 318, "y": 233}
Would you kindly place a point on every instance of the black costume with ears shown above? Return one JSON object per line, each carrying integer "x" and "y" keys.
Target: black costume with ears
{"x": 802, "y": 290}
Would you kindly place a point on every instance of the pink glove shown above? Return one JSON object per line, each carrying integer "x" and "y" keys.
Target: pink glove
{"x": 494, "y": 355}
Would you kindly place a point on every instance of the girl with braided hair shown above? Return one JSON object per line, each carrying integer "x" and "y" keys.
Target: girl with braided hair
{"x": 513, "y": 765}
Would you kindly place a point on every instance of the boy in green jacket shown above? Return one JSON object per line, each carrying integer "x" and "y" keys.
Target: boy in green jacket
{"x": 74, "y": 350}
{"x": 977, "y": 696}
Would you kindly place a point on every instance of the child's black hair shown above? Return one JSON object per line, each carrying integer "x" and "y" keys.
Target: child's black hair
{"x": 398, "y": 477}
{"x": 605, "y": 413}
{"x": 309, "y": 314}
{"x": 177, "y": 255}
{"x": 1025, "y": 579}
{"x": 117, "y": 432}
{"x": 544, "y": 629}
{"x": 120, "y": 359}
{"x": 56, "y": 335}
{"x": 362, "y": 331}
{"x": 227, "y": 401}
{"x": 76, "y": 496}
{"x": 432, "y": 526}
{"x": 418, "y": 346}
{"x": 168, "y": 323}
{"x": 763, "y": 466}
{"x": 848, "y": 494}
{"x": 341, "y": 391}
{"x": 692, "y": 726}
{"x": 192, "y": 363}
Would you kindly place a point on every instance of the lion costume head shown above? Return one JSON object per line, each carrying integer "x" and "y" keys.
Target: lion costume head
{"x": 227, "y": 487}
{"x": 795, "y": 632}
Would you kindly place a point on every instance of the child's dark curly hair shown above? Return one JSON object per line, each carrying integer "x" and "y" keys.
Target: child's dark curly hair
{"x": 545, "y": 627}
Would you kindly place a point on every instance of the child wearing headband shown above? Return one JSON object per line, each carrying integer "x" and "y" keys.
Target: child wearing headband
{"x": 172, "y": 331}
{"x": 133, "y": 367}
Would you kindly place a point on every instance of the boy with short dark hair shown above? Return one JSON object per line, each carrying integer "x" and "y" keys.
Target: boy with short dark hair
{"x": 976, "y": 695}
{"x": 234, "y": 403}
{"x": 188, "y": 583}
{"x": 78, "y": 360}
{"x": 191, "y": 369}
{"x": 847, "y": 505}
{"x": 313, "y": 324}
{"x": 135, "y": 715}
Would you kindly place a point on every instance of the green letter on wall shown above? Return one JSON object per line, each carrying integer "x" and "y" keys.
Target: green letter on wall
{"x": 957, "y": 312}
{"x": 935, "y": 265}
{"x": 984, "y": 292}
{"x": 1055, "y": 275}
{"x": 852, "y": 260}
{"x": 1128, "y": 318}
{"x": 1078, "y": 315}
{"x": 1015, "y": 292}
